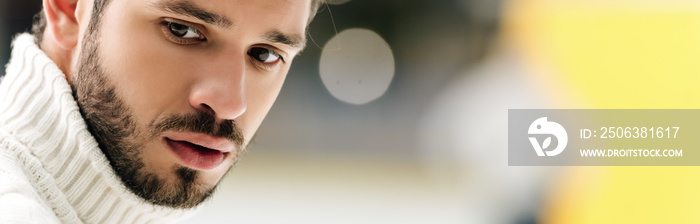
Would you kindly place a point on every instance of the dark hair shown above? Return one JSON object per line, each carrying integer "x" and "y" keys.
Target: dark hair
{"x": 38, "y": 26}
{"x": 39, "y": 20}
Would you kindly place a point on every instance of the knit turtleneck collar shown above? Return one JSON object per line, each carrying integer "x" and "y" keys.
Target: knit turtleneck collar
{"x": 60, "y": 156}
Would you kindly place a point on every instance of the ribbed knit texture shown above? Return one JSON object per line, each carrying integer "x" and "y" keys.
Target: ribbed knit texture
{"x": 44, "y": 136}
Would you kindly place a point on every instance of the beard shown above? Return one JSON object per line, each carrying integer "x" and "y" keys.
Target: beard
{"x": 112, "y": 124}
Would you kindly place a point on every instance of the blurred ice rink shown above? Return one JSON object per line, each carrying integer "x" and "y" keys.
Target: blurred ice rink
{"x": 413, "y": 128}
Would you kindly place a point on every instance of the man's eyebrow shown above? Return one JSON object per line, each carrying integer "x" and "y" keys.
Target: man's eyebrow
{"x": 187, "y": 8}
{"x": 292, "y": 40}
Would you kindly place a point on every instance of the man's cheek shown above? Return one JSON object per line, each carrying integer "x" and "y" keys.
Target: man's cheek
{"x": 149, "y": 81}
{"x": 262, "y": 95}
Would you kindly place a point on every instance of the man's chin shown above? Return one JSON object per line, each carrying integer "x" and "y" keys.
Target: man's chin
{"x": 184, "y": 188}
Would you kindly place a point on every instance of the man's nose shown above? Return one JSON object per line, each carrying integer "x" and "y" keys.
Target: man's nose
{"x": 221, "y": 88}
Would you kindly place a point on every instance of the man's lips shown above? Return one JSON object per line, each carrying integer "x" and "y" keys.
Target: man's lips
{"x": 208, "y": 141}
{"x": 199, "y": 151}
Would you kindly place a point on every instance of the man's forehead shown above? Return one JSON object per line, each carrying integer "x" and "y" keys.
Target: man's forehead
{"x": 213, "y": 12}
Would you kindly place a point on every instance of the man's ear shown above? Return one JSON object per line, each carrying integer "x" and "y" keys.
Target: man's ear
{"x": 61, "y": 22}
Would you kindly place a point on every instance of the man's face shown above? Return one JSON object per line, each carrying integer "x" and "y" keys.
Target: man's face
{"x": 173, "y": 90}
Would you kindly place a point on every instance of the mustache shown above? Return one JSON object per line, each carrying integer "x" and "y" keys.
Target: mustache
{"x": 201, "y": 122}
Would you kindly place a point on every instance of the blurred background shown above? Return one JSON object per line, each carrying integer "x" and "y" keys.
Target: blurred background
{"x": 397, "y": 113}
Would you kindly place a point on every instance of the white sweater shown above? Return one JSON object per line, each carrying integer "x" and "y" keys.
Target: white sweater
{"x": 51, "y": 168}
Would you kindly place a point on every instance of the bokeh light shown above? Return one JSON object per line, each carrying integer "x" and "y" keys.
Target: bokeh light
{"x": 357, "y": 66}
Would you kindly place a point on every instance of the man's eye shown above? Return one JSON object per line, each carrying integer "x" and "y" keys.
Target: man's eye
{"x": 264, "y": 55}
{"x": 184, "y": 31}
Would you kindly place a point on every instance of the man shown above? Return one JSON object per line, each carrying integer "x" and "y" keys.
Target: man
{"x": 131, "y": 111}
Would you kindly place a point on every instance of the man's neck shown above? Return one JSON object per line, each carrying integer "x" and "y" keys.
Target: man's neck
{"x": 60, "y": 56}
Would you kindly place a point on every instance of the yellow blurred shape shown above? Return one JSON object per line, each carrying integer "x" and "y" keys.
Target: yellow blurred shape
{"x": 615, "y": 54}
{"x": 624, "y": 55}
